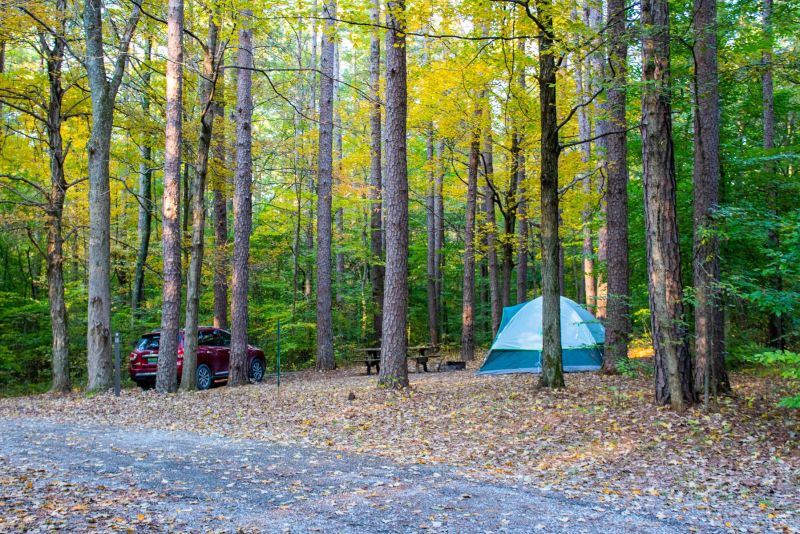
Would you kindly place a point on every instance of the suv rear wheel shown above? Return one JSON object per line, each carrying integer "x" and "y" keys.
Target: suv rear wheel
{"x": 204, "y": 377}
{"x": 256, "y": 373}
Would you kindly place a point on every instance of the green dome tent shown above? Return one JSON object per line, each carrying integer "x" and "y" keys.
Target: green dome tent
{"x": 518, "y": 345}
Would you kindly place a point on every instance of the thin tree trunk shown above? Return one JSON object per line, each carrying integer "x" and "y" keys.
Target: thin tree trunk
{"x": 103, "y": 94}
{"x": 510, "y": 219}
{"x": 585, "y": 133}
{"x": 775, "y": 336}
{"x": 618, "y": 320}
{"x": 468, "y": 289}
{"x": 376, "y": 212}
{"x": 597, "y": 75}
{"x": 145, "y": 193}
{"x": 193, "y": 282}
{"x": 673, "y": 373}
{"x": 522, "y": 204}
{"x": 325, "y": 355}
{"x": 709, "y": 350}
{"x": 166, "y": 377}
{"x": 242, "y": 202}
{"x": 438, "y": 223}
{"x": 58, "y": 190}
{"x": 430, "y": 216}
{"x": 491, "y": 235}
{"x": 339, "y": 217}
{"x": 307, "y": 290}
{"x": 552, "y": 373}
{"x": 220, "y": 186}
{"x": 394, "y": 370}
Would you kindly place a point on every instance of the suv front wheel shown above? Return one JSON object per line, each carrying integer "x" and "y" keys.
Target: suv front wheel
{"x": 204, "y": 377}
{"x": 256, "y": 372}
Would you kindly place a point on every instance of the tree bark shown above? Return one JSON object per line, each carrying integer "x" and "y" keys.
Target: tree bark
{"x": 394, "y": 370}
{"x": 510, "y": 220}
{"x": 775, "y": 328}
{"x": 597, "y": 75}
{"x": 522, "y": 204}
{"x": 673, "y": 373}
{"x": 166, "y": 377}
{"x": 376, "y": 211}
{"x": 430, "y": 225}
{"x": 103, "y": 94}
{"x": 55, "y": 211}
{"x": 618, "y": 319}
{"x": 552, "y": 373}
{"x": 491, "y": 235}
{"x": 325, "y": 355}
{"x": 468, "y": 287}
{"x": 585, "y": 133}
{"x": 339, "y": 214}
{"x": 242, "y": 202}
{"x": 438, "y": 223}
{"x": 220, "y": 186}
{"x": 193, "y": 282}
{"x": 309, "y": 282}
{"x": 709, "y": 351}
{"x": 145, "y": 193}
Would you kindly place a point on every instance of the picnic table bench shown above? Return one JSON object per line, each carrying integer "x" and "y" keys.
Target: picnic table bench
{"x": 420, "y": 354}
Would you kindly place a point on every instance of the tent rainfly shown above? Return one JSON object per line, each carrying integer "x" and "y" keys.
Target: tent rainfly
{"x": 517, "y": 348}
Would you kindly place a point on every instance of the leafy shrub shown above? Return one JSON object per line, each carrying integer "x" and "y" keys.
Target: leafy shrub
{"x": 634, "y": 368}
{"x": 789, "y": 365}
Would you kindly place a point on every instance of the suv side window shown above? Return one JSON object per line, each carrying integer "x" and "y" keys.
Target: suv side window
{"x": 206, "y": 338}
{"x": 224, "y": 339}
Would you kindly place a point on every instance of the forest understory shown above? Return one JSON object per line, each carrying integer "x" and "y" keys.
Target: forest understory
{"x": 602, "y": 439}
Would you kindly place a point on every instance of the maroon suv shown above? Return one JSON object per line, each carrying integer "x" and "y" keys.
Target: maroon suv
{"x": 213, "y": 358}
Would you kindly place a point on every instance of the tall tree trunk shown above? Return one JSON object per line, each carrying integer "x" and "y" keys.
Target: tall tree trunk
{"x": 438, "y": 223}
{"x": 103, "y": 94}
{"x": 709, "y": 350}
{"x": 58, "y": 190}
{"x": 339, "y": 217}
{"x": 522, "y": 203}
{"x": 510, "y": 218}
{"x": 307, "y": 290}
{"x": 193, "y": 282}
{"x": 220, "y": 186}
{"x": 582, "y": 80}
{"x": 394, "y": 370}
{"x": 145, "y": 192}
{"x": 166, "y": 377}
{"x": 430, "y": 225}
{"x": 618, "y": 319}
{"x": 325, "y": 355}
{"x": 597, "y": 76}
{"x": 673, "y": 373}
{"x": 552, "y": 373}
{"x": 775, "y": 337}
{"x": 376, "y": 212}
{"x": 491, "y": 235}
{"x": 468, "y": 288}
{"x": 242, "y": 202}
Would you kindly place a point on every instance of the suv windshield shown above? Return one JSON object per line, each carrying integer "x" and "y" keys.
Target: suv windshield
{"x": 149, "y": 342}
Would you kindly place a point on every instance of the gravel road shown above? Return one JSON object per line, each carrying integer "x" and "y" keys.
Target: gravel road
{"x": 178, "y": 481}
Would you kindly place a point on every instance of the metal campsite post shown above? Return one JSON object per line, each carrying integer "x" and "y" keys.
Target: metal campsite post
{"x": 278, "y": 357}
{"x": 116, "y": 364}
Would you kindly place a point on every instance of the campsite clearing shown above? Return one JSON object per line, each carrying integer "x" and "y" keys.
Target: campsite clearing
{"x": 600, "y": 439}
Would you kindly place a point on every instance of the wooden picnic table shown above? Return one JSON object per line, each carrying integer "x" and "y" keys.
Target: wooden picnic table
{"x": 373, "y": 357}
{"x": 420, "y": 354}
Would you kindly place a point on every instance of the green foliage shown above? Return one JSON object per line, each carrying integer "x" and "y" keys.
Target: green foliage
{"x": 788, "y": 364}
{"x": 634, "y": 367}
{"x": 24, "y": 342}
